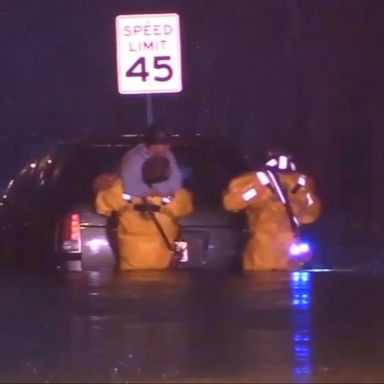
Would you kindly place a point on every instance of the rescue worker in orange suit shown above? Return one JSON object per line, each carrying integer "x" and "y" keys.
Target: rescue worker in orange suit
{"x": 277, "y": 200}
{"x": 141, "y": 245}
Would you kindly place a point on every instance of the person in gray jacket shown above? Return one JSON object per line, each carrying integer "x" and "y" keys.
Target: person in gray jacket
{"x": 156, "y": 142}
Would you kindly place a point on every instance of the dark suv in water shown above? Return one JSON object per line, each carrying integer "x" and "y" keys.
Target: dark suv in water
{"x": 47, "y": 215}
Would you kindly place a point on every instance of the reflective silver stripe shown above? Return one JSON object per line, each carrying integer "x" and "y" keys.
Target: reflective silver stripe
{"x": 127, "y": 197}
{"x": 302, "y": 181}
{"x": 281, "y": 195}
{"x": 276, "y": 187}
{"x": 309, "y": 199}
{"x": 263, "y": 178}
{"x": 166, "y": 200}
{"x": 250, "y": 194}
{"x": 283, "y": 162}
{"x": 271, "y": 163}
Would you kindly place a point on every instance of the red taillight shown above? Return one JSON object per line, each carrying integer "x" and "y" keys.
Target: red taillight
{"x": 74, "y": 229}
{"x": 72, "y": 236}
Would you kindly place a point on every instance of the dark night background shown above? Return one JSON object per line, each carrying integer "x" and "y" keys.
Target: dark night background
{"x": 305, "y": 72}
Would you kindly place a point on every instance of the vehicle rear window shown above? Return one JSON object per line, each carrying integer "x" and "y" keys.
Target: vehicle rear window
{"x": 205, "y": 173}
{"x": 75, "y": 177}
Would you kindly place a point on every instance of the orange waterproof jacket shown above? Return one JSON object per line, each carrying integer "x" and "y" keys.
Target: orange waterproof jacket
{"x": 271, "y": 231}
{"x": 140, "y": 243}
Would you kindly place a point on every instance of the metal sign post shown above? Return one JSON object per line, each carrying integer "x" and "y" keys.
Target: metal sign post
{"x": 149, "y": 108}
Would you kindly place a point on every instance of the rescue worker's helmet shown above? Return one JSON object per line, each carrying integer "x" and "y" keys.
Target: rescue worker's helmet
{"x": 157, "y": 133}
{"x": 156, "y": 169}
{"x": 280, "y": 161}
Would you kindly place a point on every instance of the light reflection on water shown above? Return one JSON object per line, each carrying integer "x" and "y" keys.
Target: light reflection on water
{"x": 256, "y": 327}
{"x": 128, "y": 325}
{"x": 301, "y": 331}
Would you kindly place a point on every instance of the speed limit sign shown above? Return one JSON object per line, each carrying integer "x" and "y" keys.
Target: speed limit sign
{"x": 148, "y": 53}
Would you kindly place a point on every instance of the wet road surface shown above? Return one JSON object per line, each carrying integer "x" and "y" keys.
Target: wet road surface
{"x": 192, "y": 326}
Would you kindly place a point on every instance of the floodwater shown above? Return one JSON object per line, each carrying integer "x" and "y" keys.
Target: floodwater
{"x": 192, "y": 326}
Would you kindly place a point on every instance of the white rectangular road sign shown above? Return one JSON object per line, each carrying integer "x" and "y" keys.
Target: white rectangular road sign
{"x": 148, "y": 53}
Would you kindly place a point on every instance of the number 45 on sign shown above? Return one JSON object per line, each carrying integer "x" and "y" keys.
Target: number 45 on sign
{"x": 148, "y": 53}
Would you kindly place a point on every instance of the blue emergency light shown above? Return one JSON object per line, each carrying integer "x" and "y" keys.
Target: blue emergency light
{"x": 300, "y": 253}
{"x": 298, "y": 248}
